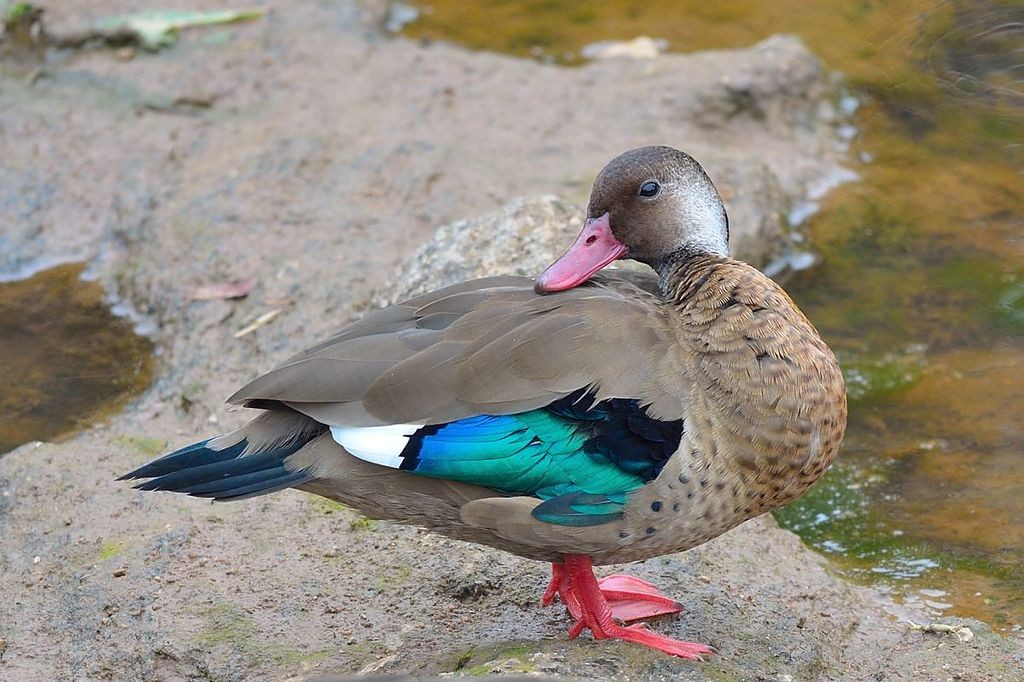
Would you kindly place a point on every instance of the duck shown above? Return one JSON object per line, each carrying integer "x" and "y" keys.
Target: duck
{"x": 587, "y": 417}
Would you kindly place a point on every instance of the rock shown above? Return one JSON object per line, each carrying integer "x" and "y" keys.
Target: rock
{"x": 526, "y": 235}
{"x": 519, "y": 239}
{"x": 641, "y": 47}
{"x": 328, "y": 158}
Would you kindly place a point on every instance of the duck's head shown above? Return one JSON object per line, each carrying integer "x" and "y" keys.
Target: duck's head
{"x": 648, "y": 204}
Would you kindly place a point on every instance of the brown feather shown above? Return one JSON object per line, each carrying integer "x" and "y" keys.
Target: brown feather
{"x": 496, "y": 349}
{"x": 725, "y": 349}
{"x": 709, "y": 341}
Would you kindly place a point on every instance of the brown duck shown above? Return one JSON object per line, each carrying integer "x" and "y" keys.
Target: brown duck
{"x": 581, "y": 418}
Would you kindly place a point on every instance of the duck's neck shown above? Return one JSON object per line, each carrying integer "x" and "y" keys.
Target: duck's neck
{"x": 683, "y": 272}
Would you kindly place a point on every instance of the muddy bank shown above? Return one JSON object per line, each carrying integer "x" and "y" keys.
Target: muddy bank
{"x": 328, "y": 155}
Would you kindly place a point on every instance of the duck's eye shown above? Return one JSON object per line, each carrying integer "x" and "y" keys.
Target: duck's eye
{"x": 649, "y": 189}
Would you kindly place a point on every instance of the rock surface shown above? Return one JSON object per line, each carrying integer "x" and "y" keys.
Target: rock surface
{"x": 320, "y": 157}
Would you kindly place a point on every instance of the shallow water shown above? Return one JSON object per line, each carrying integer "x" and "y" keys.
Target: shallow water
{"x": 66, "y": 359}
{"x": 920, "y": 285}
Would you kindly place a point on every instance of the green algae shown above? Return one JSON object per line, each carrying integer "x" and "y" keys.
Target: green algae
{"x": 839, "y": 518}
{"x": 229, "y": 625}
{"x": 322, "y": 505}
{"x": 872, "y": 376}
{"x": 110, "y": 549}
{"x": 514, "y": 658}
{"x": 144, "y": 445}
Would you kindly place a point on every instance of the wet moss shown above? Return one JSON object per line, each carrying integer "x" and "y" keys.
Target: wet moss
{"x": 322, "y": 505}
{"x": 503, "y": 660}
{"x": 144, "y": 445}
{"x": 362, "y": 523}
{"x": 228, "y": 625}
{"x": 110, "y": 549}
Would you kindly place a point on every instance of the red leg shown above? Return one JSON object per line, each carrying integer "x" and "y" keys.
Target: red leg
{"x": 558, "y": 576}
{"x": 561, "y": 586}
{"x": 585, "y": 599}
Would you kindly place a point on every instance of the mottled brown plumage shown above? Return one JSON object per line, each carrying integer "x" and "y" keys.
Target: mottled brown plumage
{"x": 726, "y": 350}
{"x": 713, "y": 341}
{"x": 708, "y": 340}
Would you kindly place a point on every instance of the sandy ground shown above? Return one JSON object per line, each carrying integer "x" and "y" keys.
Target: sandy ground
{"x": 321, "y": 160}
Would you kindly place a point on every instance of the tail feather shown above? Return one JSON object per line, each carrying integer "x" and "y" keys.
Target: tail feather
{"x": 195, "y": 455}
{"x": 251, "y": 485}
{"x": 249, "y": 462}
{"x": 231, "y": 483}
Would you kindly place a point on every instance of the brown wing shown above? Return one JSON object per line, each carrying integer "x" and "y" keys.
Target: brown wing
{"x": 489, "y": 346}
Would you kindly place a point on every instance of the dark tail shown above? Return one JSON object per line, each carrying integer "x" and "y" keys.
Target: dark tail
{"x": 245, "y": 463}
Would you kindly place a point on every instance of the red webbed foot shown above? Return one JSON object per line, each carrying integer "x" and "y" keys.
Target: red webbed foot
{"x": 629, "y": 598}
{"x": 597, "y": 605}
{"x": 634, "y": 599}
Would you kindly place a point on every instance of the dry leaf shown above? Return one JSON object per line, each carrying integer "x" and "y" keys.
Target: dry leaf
{"x": 239, "y": 288}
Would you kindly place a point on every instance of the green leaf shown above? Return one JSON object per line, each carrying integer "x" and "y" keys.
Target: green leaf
{"x": 160, "y": 28}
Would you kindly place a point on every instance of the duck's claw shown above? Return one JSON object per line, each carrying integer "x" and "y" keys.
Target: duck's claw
{"x": 674, "y": 647}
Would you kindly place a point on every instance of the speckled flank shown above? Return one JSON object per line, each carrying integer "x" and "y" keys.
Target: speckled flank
{"x": 765, "y": 418}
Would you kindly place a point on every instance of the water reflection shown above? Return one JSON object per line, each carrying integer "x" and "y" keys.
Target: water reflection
{"x": 66, "y": 358}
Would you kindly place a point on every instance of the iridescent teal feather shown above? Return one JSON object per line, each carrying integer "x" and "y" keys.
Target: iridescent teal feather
{"x": 583, "y": 459}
